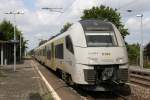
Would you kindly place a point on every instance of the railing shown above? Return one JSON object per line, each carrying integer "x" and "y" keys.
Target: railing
{"x": 140, "y": 77}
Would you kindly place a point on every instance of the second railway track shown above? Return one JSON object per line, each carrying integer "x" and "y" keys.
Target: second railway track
{"x": 140, "y": 77}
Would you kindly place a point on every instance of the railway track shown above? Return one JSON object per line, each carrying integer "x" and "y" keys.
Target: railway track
{"x": 74, "y": 92}
{"x": 85, "y": 95}
{"x": 137, "y": 76}
{"x": 140, "y": 77}
{"x": 90, "y": 95}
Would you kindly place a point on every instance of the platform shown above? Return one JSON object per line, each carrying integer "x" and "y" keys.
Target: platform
{"x": 24, "y": 84}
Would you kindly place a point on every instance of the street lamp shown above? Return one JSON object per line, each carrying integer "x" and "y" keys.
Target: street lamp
{"x": 141, "y": 45}
{"x": 20, "y": 46}
{"x": 14, "y": 14}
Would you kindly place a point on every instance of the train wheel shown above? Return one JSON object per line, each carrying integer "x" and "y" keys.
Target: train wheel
{"x": 70, "y": 82}
{"x": 64, "y": 76}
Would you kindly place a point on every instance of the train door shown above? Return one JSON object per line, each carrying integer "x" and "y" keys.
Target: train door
{"x": 53, "y": 57}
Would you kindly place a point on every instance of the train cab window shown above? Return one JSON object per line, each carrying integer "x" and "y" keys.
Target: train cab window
{"x": 69, "y": 44}
{"x": 59, "y": 51}
{"x": 100, "y": 39}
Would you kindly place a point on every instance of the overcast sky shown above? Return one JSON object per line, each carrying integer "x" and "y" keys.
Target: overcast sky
{"x": 39, "y": 24}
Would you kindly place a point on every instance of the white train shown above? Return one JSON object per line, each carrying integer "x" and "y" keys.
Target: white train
{"x": 91, "y": 53}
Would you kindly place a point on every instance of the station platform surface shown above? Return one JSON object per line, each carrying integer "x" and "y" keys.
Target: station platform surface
{"x": 23, "y": 84}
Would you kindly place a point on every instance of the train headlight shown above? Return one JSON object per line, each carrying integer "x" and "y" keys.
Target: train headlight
{"x": 120, "y": 60}
{"x": 92, "y": 60}
{"x": 107, "y": 73}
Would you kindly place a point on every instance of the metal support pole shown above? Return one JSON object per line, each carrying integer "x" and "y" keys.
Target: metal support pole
{"x": 141, "y": 46}
{"x": 2, "y": 55}
{"x": 20, "y": 47}
{"x": 14, "y": 13}
{"x": 14, "y": 43}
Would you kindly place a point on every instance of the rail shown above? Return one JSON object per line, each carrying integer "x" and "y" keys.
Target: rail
{"x": 140, "y": 77}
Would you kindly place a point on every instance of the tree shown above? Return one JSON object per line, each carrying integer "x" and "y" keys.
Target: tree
{"x": 7, "y": 34}
{"x": 7, "y": 29}
{"x": 31, "y": 52}
{"x": 133, "y": 53}
{"x": 42, "y": 42}
{"x": 65, "y": 27}
{"x": 108, "y": 14}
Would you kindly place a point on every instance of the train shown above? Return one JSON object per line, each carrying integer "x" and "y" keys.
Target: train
{"x": 91, "y": 54}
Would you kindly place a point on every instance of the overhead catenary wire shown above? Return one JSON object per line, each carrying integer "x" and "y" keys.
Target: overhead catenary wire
{"x": 126, "y": 5}
{"x": 67, "y": 8}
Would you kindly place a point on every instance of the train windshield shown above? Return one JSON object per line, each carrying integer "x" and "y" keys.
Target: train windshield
{"x": 101, "y": 39}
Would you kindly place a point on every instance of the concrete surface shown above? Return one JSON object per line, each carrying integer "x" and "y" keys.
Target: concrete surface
{"x": 24, "y": 84}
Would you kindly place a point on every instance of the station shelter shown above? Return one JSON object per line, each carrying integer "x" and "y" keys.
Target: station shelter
{"x": 147, "y": 53}
{"x": 6, "y": 52}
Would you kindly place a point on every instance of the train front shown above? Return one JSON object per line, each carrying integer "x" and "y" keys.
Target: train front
{"x": 101, "y": 56}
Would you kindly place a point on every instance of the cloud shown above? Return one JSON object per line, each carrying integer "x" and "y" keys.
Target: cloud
{"x": 134, "y": 24}
{"x": 41, "y": 24}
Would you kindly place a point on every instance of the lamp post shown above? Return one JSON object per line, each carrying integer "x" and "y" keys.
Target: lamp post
{"x": 141, "y": 45}
{"x": 20, "y": 46}
{"x": 14, "y": 15}
{"x": 141, "y": 31}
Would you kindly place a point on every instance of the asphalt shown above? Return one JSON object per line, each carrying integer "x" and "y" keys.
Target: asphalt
{"x": 23, "y": 84}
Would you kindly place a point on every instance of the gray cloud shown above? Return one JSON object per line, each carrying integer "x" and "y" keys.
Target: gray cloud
{"x": 39, "y": 24}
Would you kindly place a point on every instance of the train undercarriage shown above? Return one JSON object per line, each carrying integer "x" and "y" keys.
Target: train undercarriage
{"x": 104, "y": 78}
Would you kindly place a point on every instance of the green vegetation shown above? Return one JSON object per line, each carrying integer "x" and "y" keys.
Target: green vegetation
{"x": 31, "y": 52}
{"x": 107, "y": 14}
{"x": 147, "y": 66}
{"x": 133, "y": 53}
{"x": 42, "y": 42}
{"x": 7, "y": 29}
{"x": 47, "y": 97}
{"x": 65, "y": 27}
{"x": 7, "y": 34}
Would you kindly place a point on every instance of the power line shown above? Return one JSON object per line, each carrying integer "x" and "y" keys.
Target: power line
{"x": 127, "y": 4}
{"x": 53, "y": 9}
{"x": 67, "y": 8}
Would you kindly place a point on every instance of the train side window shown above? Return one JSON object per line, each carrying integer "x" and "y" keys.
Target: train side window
{"x": 59, "y": 51}
{"x": 69, "y": 44}
{"x": 45, "y": 51}
{"x": 48, "y": 53}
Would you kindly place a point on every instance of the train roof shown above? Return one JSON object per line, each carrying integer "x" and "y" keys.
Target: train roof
{"x": 96, "y": 25}
{"x": 88, "y": 25}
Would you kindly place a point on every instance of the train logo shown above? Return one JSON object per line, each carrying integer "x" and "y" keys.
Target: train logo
{"x": 106, "y": 54}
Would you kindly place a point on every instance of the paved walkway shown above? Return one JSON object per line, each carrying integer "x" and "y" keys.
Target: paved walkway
{"x": 24, "y": 84}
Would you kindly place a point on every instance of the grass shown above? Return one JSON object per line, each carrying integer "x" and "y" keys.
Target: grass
{"x": 147, "y": 66}
{"x": 48, "y": 97}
